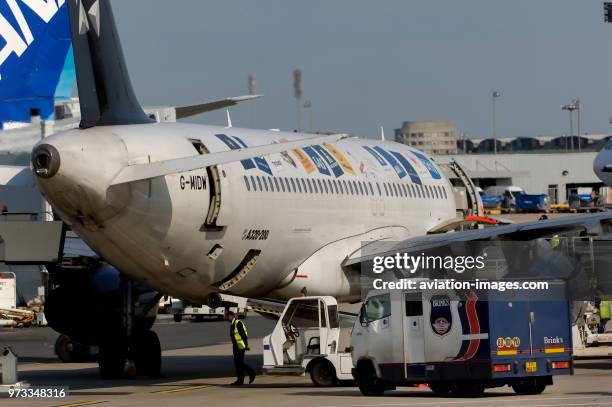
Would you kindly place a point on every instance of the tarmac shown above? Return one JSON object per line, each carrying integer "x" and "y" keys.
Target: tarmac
{"x": 198, "y": 366}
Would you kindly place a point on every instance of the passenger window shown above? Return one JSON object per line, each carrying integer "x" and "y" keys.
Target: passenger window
{"x": 253, "y": 183}
{"x": 437, "y": 191}
{"x": 271, "y": 184}
{"x": 331, "y": 189}
{"x": 360, "y": 188}
{"x": 350, "y": 187}
{"x": 378, "y": 187}
{"x": 395, "y": 190}
{"x": 320, "y": 186}
{"x": 304, "y": 185}
{"x": 259, "y": 183}
{"x": 403, "y": 189}
{"x": 345, "y": 190}
{"x": 420, "y": 191}
{"x": 246, "y": 182}
{"x": 325, "y": 185}
{"x": 314, "y": 185}
{"x": 299, "y": 187}
{"x": 276, "y": 184}
{"x": 386, "y": 190}
{"x": 293, "y": 188}
{"x": 341, "y": 187}
{"x": 444, "y": 190}
{"x": 336, "y": 187}
{"x": 371, "y": 190}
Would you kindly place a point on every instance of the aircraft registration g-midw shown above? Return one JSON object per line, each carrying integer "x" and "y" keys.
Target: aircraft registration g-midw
{"x": 194, "y": 210}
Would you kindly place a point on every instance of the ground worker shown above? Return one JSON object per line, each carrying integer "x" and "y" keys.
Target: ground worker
{"x": 240, "y": 344}
{"x": 604, "y": 315}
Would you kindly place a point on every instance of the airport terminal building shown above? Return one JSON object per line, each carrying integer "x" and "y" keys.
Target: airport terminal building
{"x": 550, "y": 165}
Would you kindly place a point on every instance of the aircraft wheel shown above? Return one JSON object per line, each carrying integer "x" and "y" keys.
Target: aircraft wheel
{"x": 368, "y": 383}
{"x": 323, "y": 373}
{"x": 112, "y": 357}
{"x": 69, "y": 351}
{"x": 177, "y": 317}
{"x": 146, "y": 353}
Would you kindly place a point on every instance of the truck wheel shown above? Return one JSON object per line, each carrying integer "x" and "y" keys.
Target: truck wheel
{"x": 323, "y": 374}
{"x": 535, "y": 387}
{"x": 369, "y": 384}
{"x": 467, "y": 389}
{"x": 112, "y": 357}
{"x": 177, "y": 317}
{"x": 146, "y": 353}
{"x": 440, "y": 389}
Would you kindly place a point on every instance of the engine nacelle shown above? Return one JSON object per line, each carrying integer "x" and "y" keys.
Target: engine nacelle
{"x": 88, "y": 304}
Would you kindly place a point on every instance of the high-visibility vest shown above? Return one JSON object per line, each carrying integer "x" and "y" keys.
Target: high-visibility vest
{"x": 237, "y": 337}
{"x": 604, "y": 310}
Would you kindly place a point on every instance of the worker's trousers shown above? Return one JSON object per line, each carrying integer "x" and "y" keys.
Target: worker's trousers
{"x": 240, "y": 366}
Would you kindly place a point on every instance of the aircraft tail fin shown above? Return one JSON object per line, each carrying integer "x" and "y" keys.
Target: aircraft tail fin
{"x": 105, "y": 91}
{"x": 36, "y": 64}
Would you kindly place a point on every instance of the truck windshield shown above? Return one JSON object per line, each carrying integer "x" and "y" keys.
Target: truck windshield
{"x": 376, "y": 307}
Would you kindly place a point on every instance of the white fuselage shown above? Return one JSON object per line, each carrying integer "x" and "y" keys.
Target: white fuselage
{"x": 602, "y": 165}
{"x": 267, "y": 226}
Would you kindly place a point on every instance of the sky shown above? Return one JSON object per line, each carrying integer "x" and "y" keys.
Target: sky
{"x": 369, "y": 63}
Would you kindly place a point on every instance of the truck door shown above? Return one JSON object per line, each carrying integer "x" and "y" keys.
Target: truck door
{"x": 414, "y": 333}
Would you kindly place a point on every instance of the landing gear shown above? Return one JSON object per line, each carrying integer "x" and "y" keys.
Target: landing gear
{"x": 69, "y": 351}
{"x": 112, "y": 358}
{"x": 146, "y": 354}
{"x": 131, "y": 340}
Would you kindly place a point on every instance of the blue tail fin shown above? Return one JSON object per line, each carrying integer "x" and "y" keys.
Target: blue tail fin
{"x": 36, "y": 62}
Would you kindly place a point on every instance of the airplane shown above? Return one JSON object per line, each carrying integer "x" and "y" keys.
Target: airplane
{"x": 192, "y": 211}
{"x": 602, "y": 165}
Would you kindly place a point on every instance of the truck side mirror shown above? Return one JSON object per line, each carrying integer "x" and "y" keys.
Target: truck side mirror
{"x": 362, "y": 320}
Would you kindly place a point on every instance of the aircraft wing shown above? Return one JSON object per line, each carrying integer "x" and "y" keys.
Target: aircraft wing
{"x": 188, "y": 111}
{"x": 592, "y": 224}
{"x": 139, "y": 172}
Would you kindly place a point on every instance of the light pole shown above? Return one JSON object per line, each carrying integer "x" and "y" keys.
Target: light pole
{"x": 298, "y": 90}
{"x": 577, "y": 104}
{"x": 570, "y": 107}
{"x": 494, "y": 96}
{"x": 308, "y": 105}
{"x": 252, "y": 88}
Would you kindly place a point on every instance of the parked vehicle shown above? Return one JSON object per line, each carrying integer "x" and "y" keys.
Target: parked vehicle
{"x": 460, "y": 343}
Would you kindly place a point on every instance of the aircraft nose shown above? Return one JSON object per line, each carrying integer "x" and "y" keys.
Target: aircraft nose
{"x": 45, "y": 161}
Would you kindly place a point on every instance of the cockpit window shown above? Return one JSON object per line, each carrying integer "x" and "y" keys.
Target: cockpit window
{"x": 608, "y": 144}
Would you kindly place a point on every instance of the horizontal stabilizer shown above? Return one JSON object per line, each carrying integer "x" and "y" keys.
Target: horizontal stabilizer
{"x": 188, "y": 111}
{"x": 139, "y": 172}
